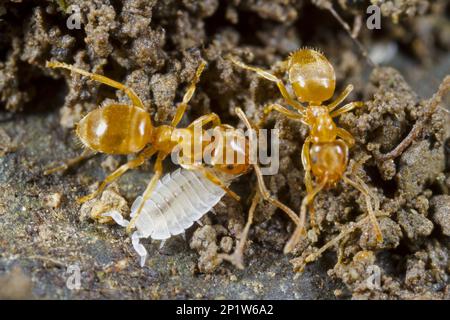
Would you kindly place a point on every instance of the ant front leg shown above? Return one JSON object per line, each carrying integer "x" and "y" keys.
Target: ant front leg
{"x": 340, "y": 98}
{"x": 188, "y": 95}
{"x": 348, "y": 107}
{"x": 267, "y": 75}
{"x": 204, "y": 120}
{"x": 87, "y": 153}
{"x": 286, "y": 112}
{"x": 158, "y": 170}
{"x": 145, "y": 154}
{"x": 99, "y": 78}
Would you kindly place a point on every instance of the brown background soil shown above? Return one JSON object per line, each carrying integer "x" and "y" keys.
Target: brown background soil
{"x": 155, "y": 47}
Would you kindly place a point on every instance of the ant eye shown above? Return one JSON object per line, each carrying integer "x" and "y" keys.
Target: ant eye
{"x": 230, "y": 167}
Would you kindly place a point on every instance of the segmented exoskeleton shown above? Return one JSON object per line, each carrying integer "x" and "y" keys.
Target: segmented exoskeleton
{"x": 180, "y": 199}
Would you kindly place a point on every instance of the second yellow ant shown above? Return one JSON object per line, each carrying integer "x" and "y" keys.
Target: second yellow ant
{"x": 325, "y": 151}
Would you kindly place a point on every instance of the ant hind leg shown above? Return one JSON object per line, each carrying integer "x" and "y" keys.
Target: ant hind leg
{"x": 68, "y": 163}
{"x": 237, "y": 257}
{"x": 344, "y": 94}
{"x": 145, "y": 154}
{"x": 348, "y": 107}
{"x": 368, "y": 195}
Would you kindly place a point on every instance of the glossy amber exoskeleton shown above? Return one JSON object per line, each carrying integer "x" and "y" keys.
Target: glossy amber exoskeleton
{"x": 325, "y": 150}
{"x": 116, "y": 129}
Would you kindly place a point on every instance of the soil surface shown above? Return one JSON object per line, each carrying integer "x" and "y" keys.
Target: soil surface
{"x": 155, "y": 47}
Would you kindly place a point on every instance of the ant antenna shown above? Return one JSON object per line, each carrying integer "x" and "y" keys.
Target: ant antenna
{"x": 327, "y": 5}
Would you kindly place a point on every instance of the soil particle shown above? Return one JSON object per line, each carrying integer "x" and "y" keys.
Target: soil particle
{"x": 15, "y": 285}
{"x": 110, "y": 200}
{"x": 441, "y": 214}
{"x": 414, "y": 224}
{"x": 204, "y": 241}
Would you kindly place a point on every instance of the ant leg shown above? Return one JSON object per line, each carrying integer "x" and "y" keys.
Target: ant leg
{"x": 329, "y": 6}
{"x": 102, "y": 79}
{"x": 286, "y": 112}
{"x": 158, "y": 170}
{"x": 87, "y": 153}
{"x": 139, "y": 160}
{"x": 237, "y": 258}
{"x": 346, "y": 136}
{"x": 340, "y": 98}
{"x": 368, "y": 195}
{"x": 214, "y": 179}
{"x": 188, "y": 95}
{"x": 306, "y": 161}
{"x": 267, "y": 75}
{"x": 204, "y": 120}
{"x": 348, "y": 107}
{"x": 300, "y": 231}
{"x": 261, "y": 185}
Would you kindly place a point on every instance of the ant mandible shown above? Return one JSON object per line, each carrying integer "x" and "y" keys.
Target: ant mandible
{"x": 325, "y": 150}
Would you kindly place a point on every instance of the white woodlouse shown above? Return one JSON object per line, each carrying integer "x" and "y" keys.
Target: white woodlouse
{"x": 180, "y": 199}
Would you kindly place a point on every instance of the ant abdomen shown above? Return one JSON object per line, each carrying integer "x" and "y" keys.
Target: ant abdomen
{"x": 329, "y": 160}
{"x": 115, "y": 129}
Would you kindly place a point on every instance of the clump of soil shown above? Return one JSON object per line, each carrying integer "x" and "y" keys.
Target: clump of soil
{"x": 155, "y": 47}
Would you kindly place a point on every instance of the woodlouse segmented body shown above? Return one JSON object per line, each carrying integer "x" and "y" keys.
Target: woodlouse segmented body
{"x": 179, "y": 199}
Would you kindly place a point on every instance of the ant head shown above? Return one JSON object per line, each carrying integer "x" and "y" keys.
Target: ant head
{"x": 311, "y": 75}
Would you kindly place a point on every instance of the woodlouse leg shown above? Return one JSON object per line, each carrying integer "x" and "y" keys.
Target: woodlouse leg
{"x": 368, "y": 195}
{"x": 102, "y": 79}
{"x": 267, "y": 75}
{"x": 237, "y": 257}
{"x": 286, "y": 112}
{"x": 86, "y": 154}
{"x": 145, "y": 154}
{"x": 300, "y": 230}
{"x": 188, "y": 95}
{"x": 348, "y": 107}
{"x": 158, "y": 170}
{"x": 261, "y": 185}
{"x": 340, "y": 98}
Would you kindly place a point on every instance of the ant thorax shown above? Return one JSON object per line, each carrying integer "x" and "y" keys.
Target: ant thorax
{"x": 321, "y": 124}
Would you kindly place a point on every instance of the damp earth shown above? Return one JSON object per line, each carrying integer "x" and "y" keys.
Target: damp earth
{"x": 155, "y": 47}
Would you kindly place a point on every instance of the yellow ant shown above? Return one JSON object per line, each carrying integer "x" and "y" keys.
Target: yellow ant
{"x": 122, "y": 129}
{"x": 325, "y": 150}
